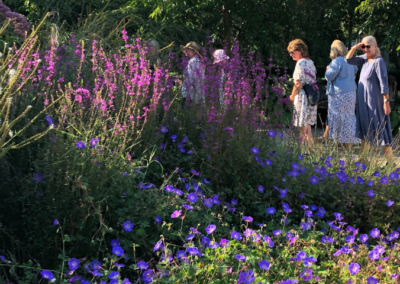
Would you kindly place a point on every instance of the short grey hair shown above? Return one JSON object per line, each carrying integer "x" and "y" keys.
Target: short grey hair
{"x": 153, "y": 43}
{"x": 372, "y": 40}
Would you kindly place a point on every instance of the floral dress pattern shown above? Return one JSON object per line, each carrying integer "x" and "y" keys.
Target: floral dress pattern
{"x": 342, "y": 118}
{"x": 304, "y": 114}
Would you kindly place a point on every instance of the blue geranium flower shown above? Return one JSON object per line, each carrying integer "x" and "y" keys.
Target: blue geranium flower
{"x": 313, "y": 179}
{"x": 113, "y": 275}
{"x": 271, "y": 133}
{"x": 158, "y": 219}
{"x": 47, "y": 274}
{"x": 240, "y": 257}
{"x": 73, "y": 263}
{"x": 264, "y": 265}
{"x": 80, "y": 145}
{"x": 118, "y": 251}
{"x": 236, "y": 236}
{"x": 128, "y": 226}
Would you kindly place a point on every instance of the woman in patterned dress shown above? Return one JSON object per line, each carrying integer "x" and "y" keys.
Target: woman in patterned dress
{"x": 304, "y": 115}
{"x": 341, "y": 96}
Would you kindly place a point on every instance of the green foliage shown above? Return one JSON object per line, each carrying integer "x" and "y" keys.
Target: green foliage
{"x": 121, "y": 173}
{"x": 224, "y": 21}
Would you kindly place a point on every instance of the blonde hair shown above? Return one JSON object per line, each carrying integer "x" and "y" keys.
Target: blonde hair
{"x": 338, "y": 49}
{"x": 372, "y": 40}
{"x": 298, "y": 44}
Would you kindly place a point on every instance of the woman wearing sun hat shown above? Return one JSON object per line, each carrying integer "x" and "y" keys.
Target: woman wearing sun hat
{"x": 220, "y": 58}
{"x": 193, "y": 75}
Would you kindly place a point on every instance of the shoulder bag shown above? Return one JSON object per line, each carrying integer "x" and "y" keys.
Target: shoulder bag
{"x": 315, "y": 93}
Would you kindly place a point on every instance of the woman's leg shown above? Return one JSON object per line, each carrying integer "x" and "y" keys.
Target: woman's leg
{"x": 306, "y": 135}
{"x": 389, "y": 154}
{"x": 326, "y": 133}
{"x": 364, "y": 145}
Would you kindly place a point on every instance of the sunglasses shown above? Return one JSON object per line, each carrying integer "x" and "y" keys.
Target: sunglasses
{"x": 365, "y": 46}
{"x": 291, "y": 52}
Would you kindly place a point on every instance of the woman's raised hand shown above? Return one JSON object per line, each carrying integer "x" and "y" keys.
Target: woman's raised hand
{"x": 358, "y": 46}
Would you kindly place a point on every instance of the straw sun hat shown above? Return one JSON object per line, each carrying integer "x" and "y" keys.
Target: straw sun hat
{"x": 193, "y": 46}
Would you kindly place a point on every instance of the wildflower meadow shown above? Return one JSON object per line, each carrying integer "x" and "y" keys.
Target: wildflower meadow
{"x": 108, "y": 176}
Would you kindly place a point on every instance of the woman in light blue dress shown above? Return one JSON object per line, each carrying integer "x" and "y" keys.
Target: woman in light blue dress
{"x": 341, "y": 96}
{"x": 373, "y": 108}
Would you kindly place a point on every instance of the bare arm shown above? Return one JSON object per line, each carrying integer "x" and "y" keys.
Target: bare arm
{"x": 296, "y": 89}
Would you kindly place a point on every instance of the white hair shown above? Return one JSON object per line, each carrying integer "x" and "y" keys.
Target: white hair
{"x": 372, "y": 40}
{"x": 153, "y": 43}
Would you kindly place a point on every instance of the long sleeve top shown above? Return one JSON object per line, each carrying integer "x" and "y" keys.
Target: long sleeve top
{"x": 379, "y": 67}
{"x": 341, "y": 77}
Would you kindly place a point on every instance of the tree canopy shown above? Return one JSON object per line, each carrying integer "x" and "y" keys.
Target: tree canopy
{"x": 265, "y": 26}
